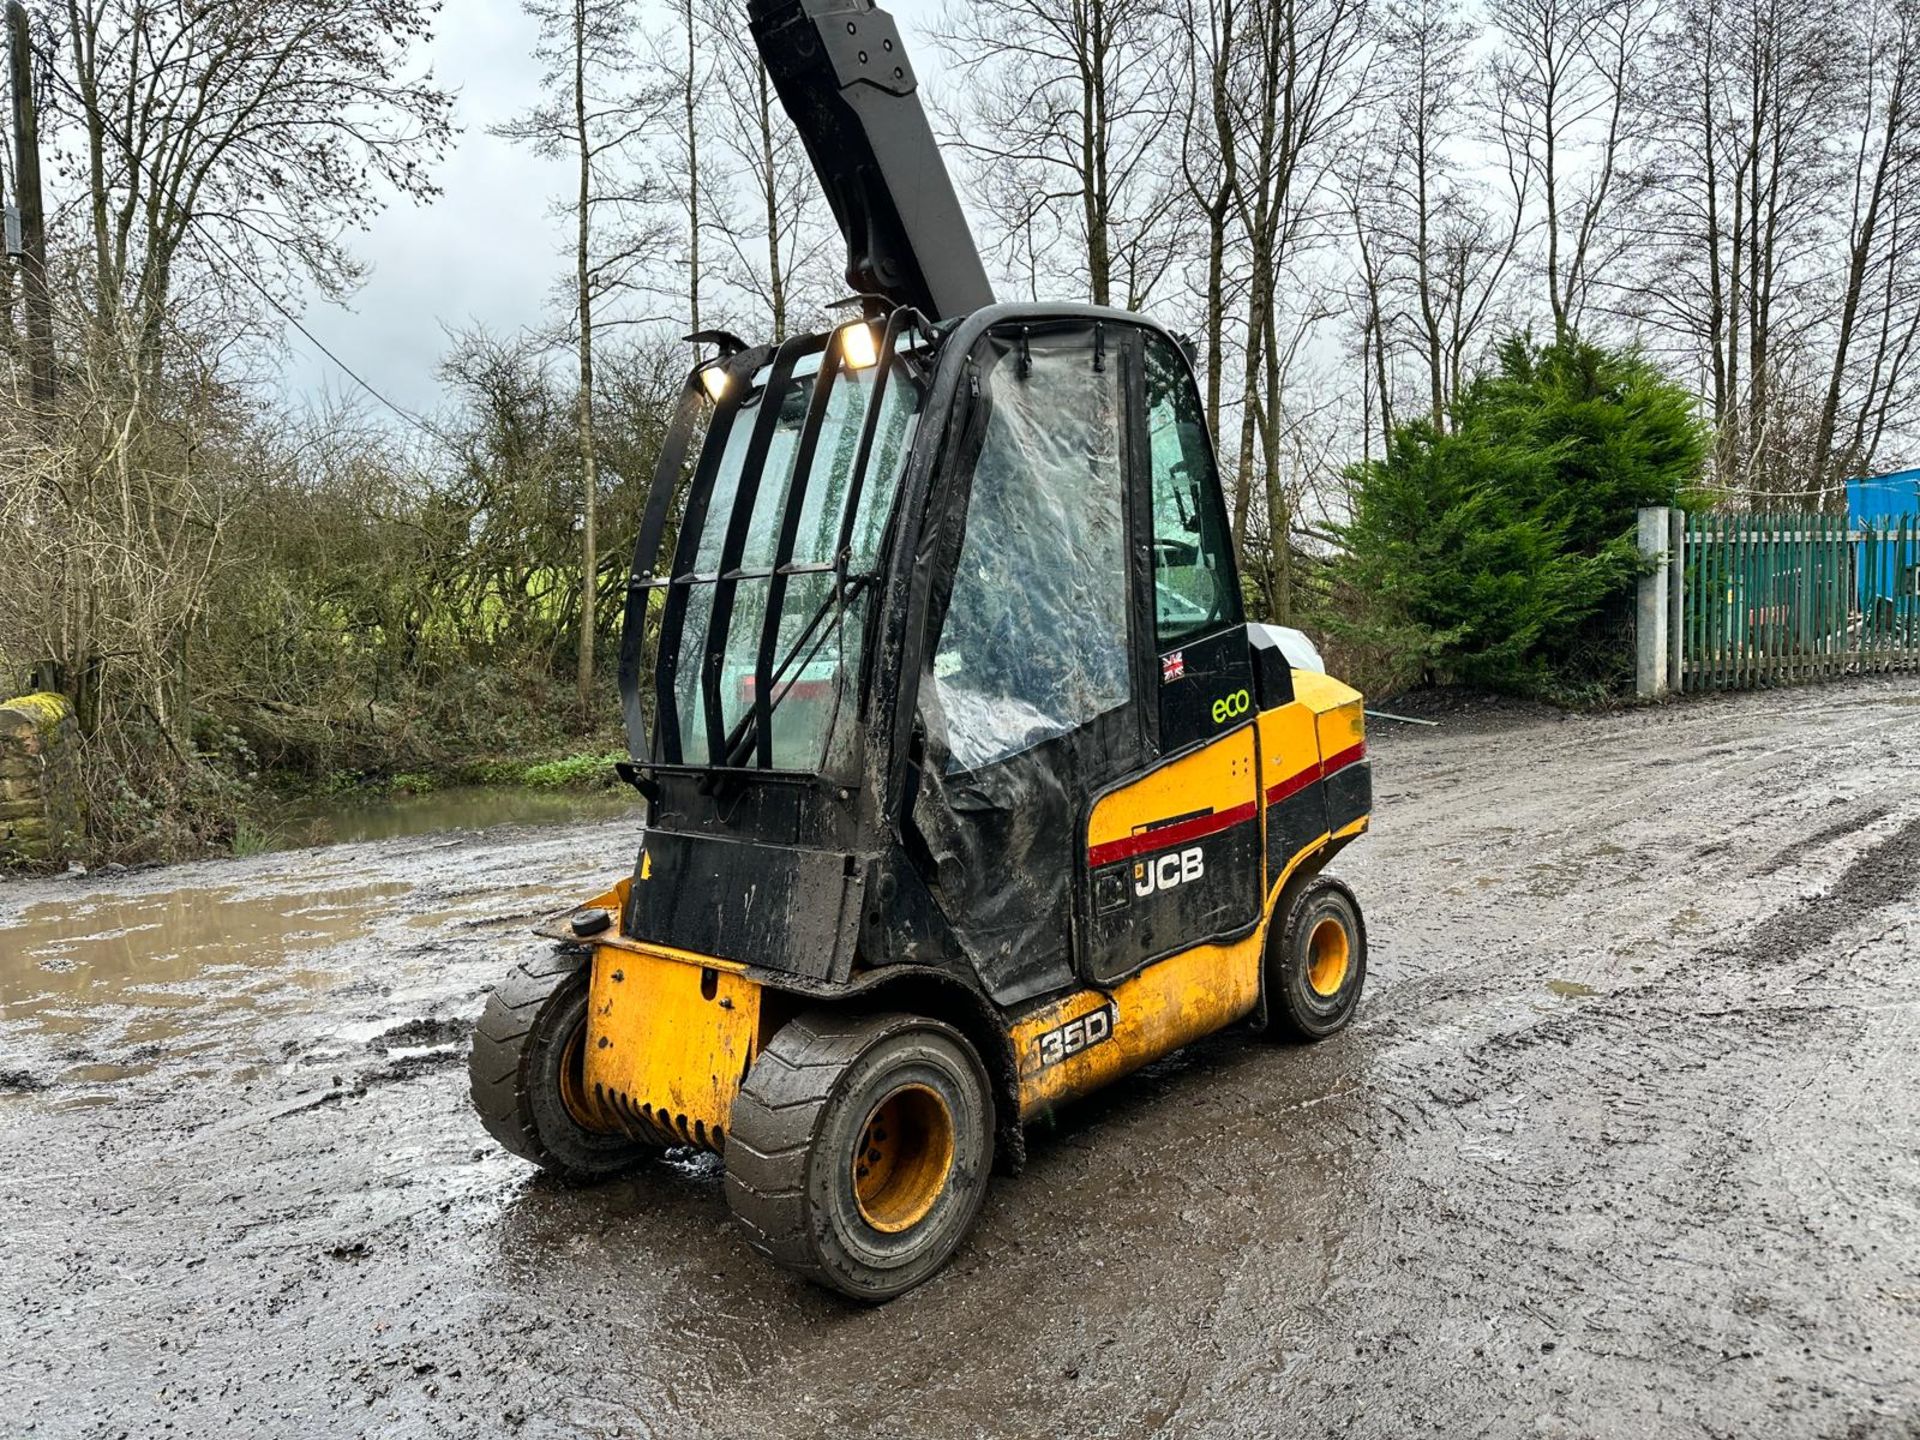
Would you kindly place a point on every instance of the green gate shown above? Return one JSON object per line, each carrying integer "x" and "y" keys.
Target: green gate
{"x": 1770, "y": 599}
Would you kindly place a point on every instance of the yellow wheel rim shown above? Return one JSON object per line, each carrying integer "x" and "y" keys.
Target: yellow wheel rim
{"x": 1329, "y": 958}
{"x": 573, "y": 1080}
{"x": 904, "y": 1158}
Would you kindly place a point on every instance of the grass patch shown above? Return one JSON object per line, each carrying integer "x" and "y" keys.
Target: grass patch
{"x": 574, "y": 772}
{"x": 588, "y": 771}
{"x": 250, "y": 839}
{"x": 568, "y": 772}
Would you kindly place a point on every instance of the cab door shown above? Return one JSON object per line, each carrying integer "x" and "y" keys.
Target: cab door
{"x": 1173, "y": 852}
{"x": 1033, "y": 698}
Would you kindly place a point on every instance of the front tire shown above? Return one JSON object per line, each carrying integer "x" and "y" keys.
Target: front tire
{"x": 1316, "y": 961}
{"x": 859, "y": 1149}
{"x": 527, "y": 1071}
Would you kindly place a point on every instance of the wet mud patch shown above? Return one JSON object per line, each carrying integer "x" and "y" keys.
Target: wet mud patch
{"x": 1851, "y": 824}
{"x": 423, "y": 1033}
{"x": 1570, "y": 989}
{"x": 411, "y": 1067}
{"x": 424, "y": 1045}
{"x": 1464, "y": 711}
{"x": 1682, "y": 1204}
{"x": 1884, "y": 875}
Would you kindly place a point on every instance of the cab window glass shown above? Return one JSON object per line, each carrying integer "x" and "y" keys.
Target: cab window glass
{"x": 1035, "y": 640}
{"x": 816, "y": 651}
{"x": 1193, "y": 584}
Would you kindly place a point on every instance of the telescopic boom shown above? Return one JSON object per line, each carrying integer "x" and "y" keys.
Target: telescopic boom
{"x": 843, "y": 75}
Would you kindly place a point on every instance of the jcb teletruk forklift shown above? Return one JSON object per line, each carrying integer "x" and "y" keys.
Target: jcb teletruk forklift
{"x": 969, "y": 789}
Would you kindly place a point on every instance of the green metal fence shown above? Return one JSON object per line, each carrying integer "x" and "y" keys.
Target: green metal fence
{"x": 1770, "y": 599}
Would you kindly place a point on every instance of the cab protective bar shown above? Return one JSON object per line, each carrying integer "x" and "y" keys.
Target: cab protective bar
{"x": 739, "y": 369}
{"x": 856, "y": 487}
{"x": 728, "y": 750}
{"x": 783, "y": 566}
{"x": 646, "y": 553}
{"x": 745, "y": 496}
{"x": 768, "y": 678}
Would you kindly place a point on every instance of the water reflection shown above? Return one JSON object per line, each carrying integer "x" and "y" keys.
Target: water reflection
{"x": 350, "y": 819}
{"x": 61, "y": 964}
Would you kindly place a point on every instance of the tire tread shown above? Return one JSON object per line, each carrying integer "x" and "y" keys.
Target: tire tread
{"x": 500, "y": 1058}
{"x": 1284, "y": 1017}
{"x": 774, "y": 1119}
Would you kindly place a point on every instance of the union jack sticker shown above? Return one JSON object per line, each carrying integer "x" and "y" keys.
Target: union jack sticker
{"x": 1173, "y": 667}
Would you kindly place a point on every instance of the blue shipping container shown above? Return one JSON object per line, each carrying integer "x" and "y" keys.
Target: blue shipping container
{"x": 1889, "y": 576}
{"x": 1878, "y": 497}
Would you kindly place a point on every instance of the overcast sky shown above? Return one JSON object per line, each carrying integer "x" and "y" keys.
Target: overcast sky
{"x": 489, "y": 250}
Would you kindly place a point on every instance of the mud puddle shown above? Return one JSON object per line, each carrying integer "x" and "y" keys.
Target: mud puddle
{"x": 119, "y": 985}
{"x": 267, "y": 967}
{"x": 1571, "y": 989}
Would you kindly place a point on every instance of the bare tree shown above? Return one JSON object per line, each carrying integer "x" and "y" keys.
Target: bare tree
{"x": 765, "y": 205}
{"x": 1736, "y": 265}
{"x": 1067, "y": 106}
{"x": 1878, "y": 314}
{"x": 1304, "y": 71}
{"x": 1372, "y": 281}
{"x": 1209, "y": 163}
{"x": 1439, "y": 212}
{"x": 205, "y": 157}
{"x": 599, "y": 104}
{"x": 689, "y": 70}
{"x": 243, "y": 139}
{"x": 1565, "y": 79}
{"x": 1425, "y": 50}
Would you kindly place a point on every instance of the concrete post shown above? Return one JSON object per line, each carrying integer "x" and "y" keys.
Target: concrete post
{"x": 1650, "y": 620}
{"x": 1677, "y": 600}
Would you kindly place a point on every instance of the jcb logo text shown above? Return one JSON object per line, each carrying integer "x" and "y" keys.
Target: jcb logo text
{"x": 1168, "y": 871}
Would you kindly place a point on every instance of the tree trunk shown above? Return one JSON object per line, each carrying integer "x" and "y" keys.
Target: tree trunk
{"x": 693, "y": 177}
{"x": 1423, "y": 262}
{"x": 770, "y": 185}
{"x": 1894, "y": 138}
{"x": 1279, "y": 503}
{"x": 1093, "y": 140}
{"x": 1218, "y": 207}
{"x": 85, "y": 41}
{"x": 589, "y": 460}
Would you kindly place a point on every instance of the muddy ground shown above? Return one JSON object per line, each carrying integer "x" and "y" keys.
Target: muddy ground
{"x": 1625, "y": 1142}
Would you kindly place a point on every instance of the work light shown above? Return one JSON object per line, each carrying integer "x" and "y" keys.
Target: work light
{"x": 858, "y": 346}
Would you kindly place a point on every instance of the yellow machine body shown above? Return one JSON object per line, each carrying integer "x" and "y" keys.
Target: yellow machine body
{"x": 670, "y": 1037}
{"x": 671, "y": 1034}
{"x": 1175, "y": 1001}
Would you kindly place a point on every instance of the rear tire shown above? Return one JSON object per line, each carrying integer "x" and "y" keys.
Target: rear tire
{"x": 859, "y": 1148}
{"x": 525, "y": 1070}
{"x": 1316, "y": 961}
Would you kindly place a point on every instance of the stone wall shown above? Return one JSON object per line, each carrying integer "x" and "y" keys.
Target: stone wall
{"x": 39, "y": 800}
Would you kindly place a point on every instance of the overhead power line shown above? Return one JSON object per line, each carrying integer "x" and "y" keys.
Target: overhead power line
{"x": 418, "y": 422}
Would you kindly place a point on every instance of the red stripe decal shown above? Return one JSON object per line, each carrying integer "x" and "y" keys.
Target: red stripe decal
{"x": 1345, "y": 758}
{"x": 1168, "y": 836}
{"x": 1294, "y": 784}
